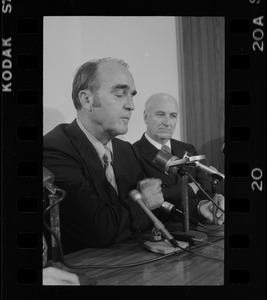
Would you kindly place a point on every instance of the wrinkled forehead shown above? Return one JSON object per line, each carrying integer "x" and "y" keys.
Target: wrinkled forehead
{"x": 164, "y": 104}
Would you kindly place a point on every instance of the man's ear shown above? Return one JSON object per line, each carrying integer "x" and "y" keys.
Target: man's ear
{"x": 86, "y": 99}
{"x": 145, "y": 116}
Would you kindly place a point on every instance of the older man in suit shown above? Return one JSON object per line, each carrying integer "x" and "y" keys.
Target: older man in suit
{"x": 160, "y": 117}
{"x": 96, "y": 170}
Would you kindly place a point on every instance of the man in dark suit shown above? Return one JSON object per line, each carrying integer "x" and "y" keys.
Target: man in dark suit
{"x": 97, "y": 210}
{"x": 160, "y": 116}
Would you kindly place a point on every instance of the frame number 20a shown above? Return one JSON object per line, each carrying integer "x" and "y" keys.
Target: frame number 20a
{"x": 258, "y": 34}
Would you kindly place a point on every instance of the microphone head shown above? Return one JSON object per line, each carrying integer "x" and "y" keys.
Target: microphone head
{"x": 162, "y": 159}
{"x": 167, "y": 207}
{"x": 48, "y": 177}
{"x": 135, "y": 195}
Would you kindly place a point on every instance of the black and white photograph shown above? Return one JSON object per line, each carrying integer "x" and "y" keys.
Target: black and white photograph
{"x": 133, "y": 125}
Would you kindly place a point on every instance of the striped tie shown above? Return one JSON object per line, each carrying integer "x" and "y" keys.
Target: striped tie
{"x": 109, "y": 169}
{"x": 166, "y": 148}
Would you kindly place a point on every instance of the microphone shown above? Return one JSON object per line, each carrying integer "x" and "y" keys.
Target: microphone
{"x": 48, "y": 183}
{"x": 136, "y": 197}
{"x": 170, "y": 163}
{"x": 48, "y": 179}
{"x": 190, "y": 236}
{"x": 209, "y": 170}
{"x": 213, "y": 173}
{"x": 165, "y": 161}
{"x": 173, "y": 211}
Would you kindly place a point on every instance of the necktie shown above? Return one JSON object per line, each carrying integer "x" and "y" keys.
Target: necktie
{"x": 109, "y": 169}
{"x": 166, "y": 148}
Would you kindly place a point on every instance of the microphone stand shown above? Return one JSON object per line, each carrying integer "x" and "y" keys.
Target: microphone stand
{"x": 57, "y": 253}
{"x": 215, "y": 230}
{"x": 55, "y": 225}
{"x": 188, "y": 235}
{"x": 185, "y": 200}
{"x": 165, "y": 160}
{"x": 214, "y": 183}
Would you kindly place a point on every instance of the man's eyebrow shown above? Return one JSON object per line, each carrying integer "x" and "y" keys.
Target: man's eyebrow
{"x": 164, "y": 112}
{"x": 123, "y": 87}
{"x": 120, "y": 87}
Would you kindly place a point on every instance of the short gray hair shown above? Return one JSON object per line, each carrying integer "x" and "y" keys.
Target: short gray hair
{"x": 150, "y": 100}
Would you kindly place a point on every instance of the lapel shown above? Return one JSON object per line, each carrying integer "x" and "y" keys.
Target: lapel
{"x": 91, "y": 160}
{"x": 177, "y": 149}
{"x": 118, "y": 156}
{"x": 122, "y": 165}
{"x": 118, "y": 167}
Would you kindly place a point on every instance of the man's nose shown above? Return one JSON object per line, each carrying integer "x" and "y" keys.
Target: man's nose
{"x": 129, "y": 104}
{"x": 167, "y": 121}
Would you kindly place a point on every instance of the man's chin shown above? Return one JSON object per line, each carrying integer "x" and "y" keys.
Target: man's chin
{"x": 164, "y": 137}
{"x": 122, "y": 131}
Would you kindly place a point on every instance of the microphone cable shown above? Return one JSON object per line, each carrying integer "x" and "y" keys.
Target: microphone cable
{"x": 71, "y": 266}
{"x": 199, "y": 186}
{"x": 116, "y": 266}
{"x": 207, "y": 243}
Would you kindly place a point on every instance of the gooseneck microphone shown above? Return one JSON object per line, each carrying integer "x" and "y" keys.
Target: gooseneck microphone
{"x": 172, "y": 164}
{"x": 165, "y": 161}
{"x": 136, "y": 196}
{"x": 213, "y": 173}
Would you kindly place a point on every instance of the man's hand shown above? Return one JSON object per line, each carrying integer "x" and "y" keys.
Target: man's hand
{"x": 54, "y": 276}
{"x": 150, "y": 190}
{"x": 210, "y": 212}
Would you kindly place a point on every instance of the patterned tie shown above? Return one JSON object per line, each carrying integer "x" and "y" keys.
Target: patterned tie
{"x": 166, "y": 148}
{"x": 109, "y": 169}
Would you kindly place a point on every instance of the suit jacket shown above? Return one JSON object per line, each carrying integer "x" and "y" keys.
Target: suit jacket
{"x": 172, "y": 184}
{"x": 92, "y": 214}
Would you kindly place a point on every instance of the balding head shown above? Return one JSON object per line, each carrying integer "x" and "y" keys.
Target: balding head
{"x": 160, "y": 116}
{"x": 157, "y": 98}
{"x": 86, "y": 77}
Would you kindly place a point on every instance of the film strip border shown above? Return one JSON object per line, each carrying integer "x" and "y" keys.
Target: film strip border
{"x": 245, "y": 123}
{"x": 22, "y": 60}
{"x": 21, "y": 151}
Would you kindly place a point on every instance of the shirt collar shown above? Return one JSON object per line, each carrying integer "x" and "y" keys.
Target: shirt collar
{"x": 155, "y": 143}
{"x": 100, "y": 148}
